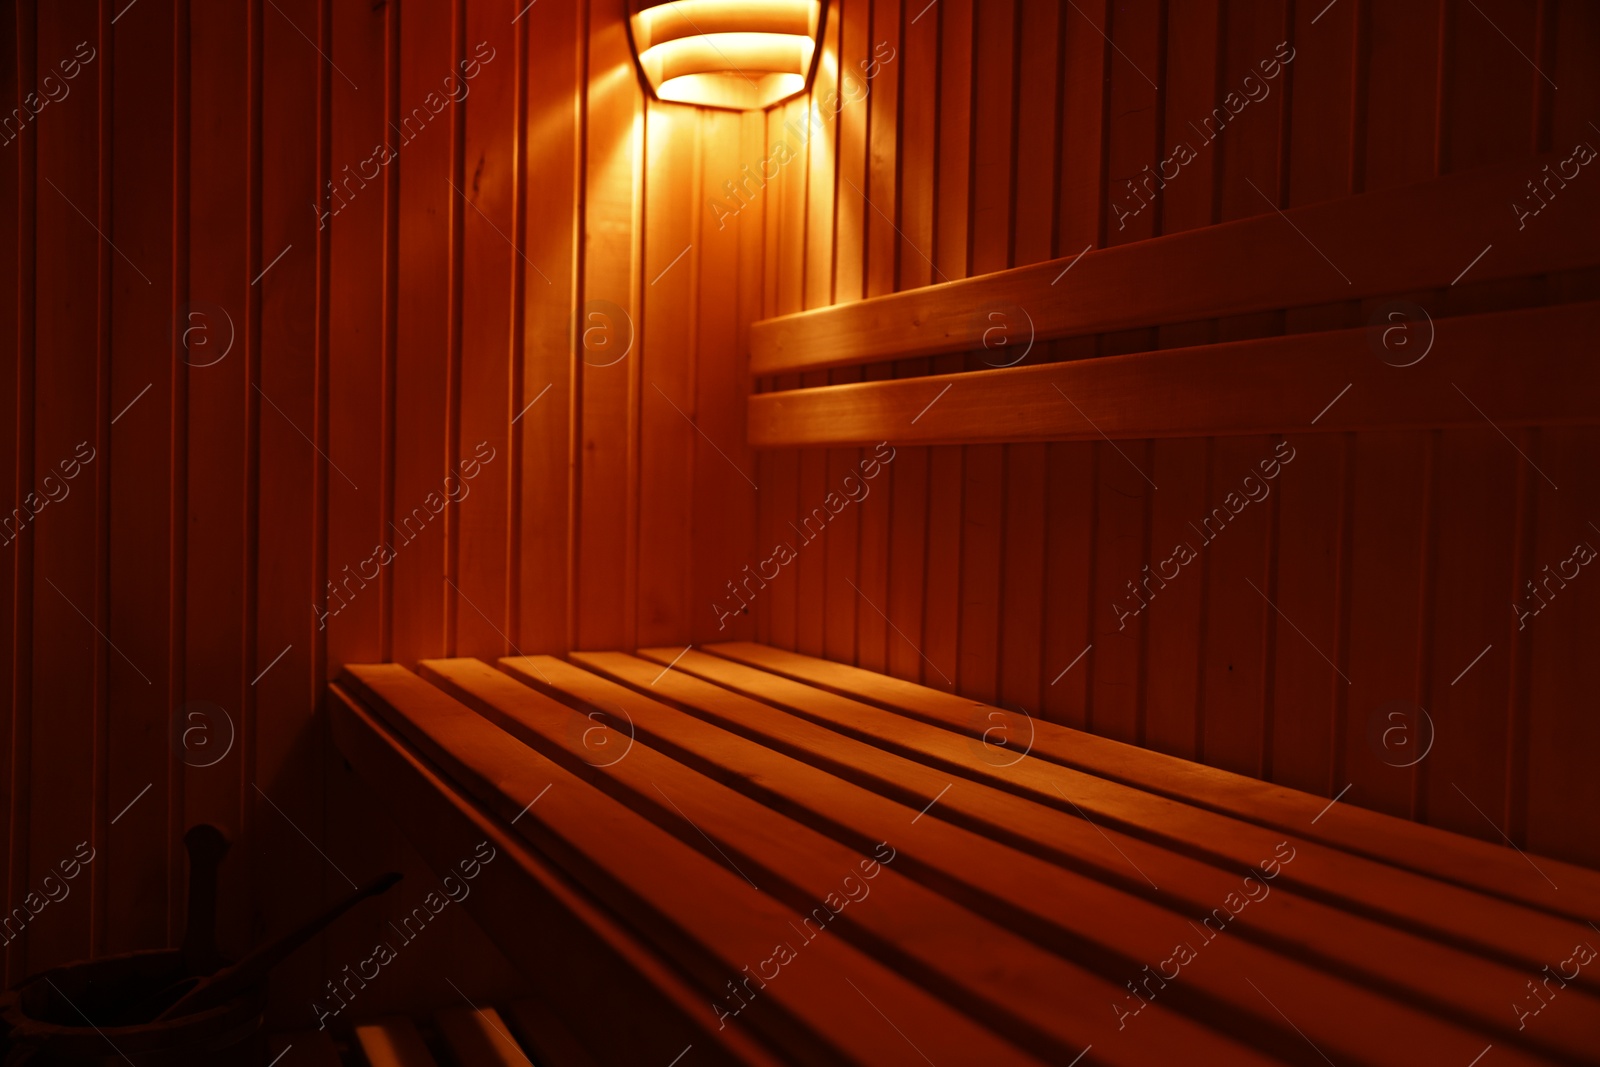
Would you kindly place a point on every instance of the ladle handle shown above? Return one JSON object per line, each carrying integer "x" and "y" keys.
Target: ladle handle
{"x": 206, "y": 846}
{"x": 235, "y": 979}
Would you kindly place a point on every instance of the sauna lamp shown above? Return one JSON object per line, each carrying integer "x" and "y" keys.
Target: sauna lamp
{"x": 735, "y": 54}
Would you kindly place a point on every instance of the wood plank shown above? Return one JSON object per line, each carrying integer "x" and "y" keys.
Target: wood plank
{"x": 1306, "y": 687}
{"x": 1270, "y": 385}
{"x": 290, "y": 513}
{"x": 1382, "y": 243}
{"x": 1235, "y": 528}
{"x": 1323, "y": 103}
{"x": 910, "y": 141}
{"x": 1257, "y": 39}
{"x": 360, "y": 223}
{"x": 881, "y": 71}
{"x": 1176, "y": 613}
{"x": 928, "y": 938}
{"x": 841, "y": 571}
{"x": 1121, "y": 538}
{"x": 546, "y": 451}
{"x": 1021, "y": 593}
{"x": 723, "y": 534}
{"x": 819, "y": 248}
{"x": 908, "y": 536}
{"x": 427, "y": 125}
{"x": 871, "y": 604}
{"x": 1069, "y": 581}
{"x": 479, "y": 1037}
{"x": 221, "y": 383}
{"x": 1476, "y": 475}
{"x": 1393, "y": 490}
{"x": 141, "y": 598}
{"x": 1133, "y": 136}
{"x": 1087, "y": 55}
{"x": 1401, "y": 124}
{"x": 1488, "y": 110}
{"x": 394, "y": 1042}
{"x": 982, "y": 531}
{"x": 667, "y": 353}
{"x": 854, "y": 205}
{"x": 918, "y": 141}
{"x": 480, "y": 470}
{"x": 709, "y": 920}
{"x": 941, "y": 607}
{"x": 813, "y": 523}
{"x": 603, "y": 961}
{"x": 790, "y": 763}
{"x": 1556, "y": 711}
{"x": 1400, "y": 842}
{"x": 1015, "y": 881}
{"x": 608, "y": 388}
{"x": 71, "y": 663}
{"x": 18, "y": 186}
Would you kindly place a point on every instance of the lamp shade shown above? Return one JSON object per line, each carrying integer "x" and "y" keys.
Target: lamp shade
{"x": 736, "y": 54}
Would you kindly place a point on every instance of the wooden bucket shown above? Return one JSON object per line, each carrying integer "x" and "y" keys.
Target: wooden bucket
{"x": 78, "y": 1014}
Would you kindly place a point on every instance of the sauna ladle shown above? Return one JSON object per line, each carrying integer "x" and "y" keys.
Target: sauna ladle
{"x": 206, "y": 846}
{"x": 214, "y": 989}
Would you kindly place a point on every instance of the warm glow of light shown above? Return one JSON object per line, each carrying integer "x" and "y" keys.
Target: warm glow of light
{"x": 738, "y": 54}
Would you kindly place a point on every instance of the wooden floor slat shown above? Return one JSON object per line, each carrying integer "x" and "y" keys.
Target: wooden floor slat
{"x": 394, "y": 1042}
{"x": 1516, "y": 934}
{"x": 1400, "y": 842}
{"x": 1015, "y": 883}
{"x": 705, "y": 918}
{"x": 1016, "y": 986}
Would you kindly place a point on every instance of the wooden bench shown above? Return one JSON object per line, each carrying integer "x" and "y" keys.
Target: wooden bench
{"x": 746, "y": 855}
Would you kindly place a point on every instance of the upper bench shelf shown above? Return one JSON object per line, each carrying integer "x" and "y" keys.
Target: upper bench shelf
{"x": 1389, "y": 241}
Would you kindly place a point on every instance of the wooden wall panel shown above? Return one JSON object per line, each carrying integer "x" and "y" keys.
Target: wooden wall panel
{"x": 545, "y": 356}
{"x": 484, "y": 197}
{"x": 285, "y": 758}
{"x": 350, "y": 244}
{"x": 16, "y": 468}
{"x": 71, "y": 665}
{"x": 145, "y": 619}
{"x": 392, "y": 304}
{"x": 1347, "y": 585}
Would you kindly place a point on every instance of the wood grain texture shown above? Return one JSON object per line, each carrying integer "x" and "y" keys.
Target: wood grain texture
{"x": 774, "y": 768}
{"x": 1378, "y": 126}
{"x": 1328, "y": 251}
{"x": 1279, "y": 384}
{"x": 342, "y": 246}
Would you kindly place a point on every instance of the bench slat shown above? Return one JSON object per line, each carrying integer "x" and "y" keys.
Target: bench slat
{"x": 1454, "y": 982}
{"x": 538, "y": 914}
{"x": 926, "y": 935}
{"x": 1455, "y": 858}
{"x": 707, "y": 919}
{"x": 1510, "y": 932}
{"x": 394, "y": 1043}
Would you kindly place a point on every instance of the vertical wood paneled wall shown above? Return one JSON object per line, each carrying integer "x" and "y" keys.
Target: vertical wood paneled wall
{"x": 367, "y": 332}
{"x": 1382, "y": 568}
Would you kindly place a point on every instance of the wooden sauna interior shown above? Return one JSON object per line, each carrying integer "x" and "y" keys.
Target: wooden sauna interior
{"x": 1070, "y": 347}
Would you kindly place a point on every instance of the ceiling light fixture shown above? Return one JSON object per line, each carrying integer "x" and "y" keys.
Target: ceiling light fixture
{"x": 735, "y": 54}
